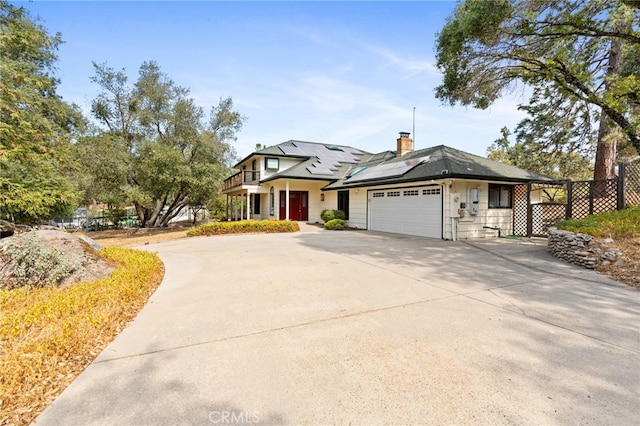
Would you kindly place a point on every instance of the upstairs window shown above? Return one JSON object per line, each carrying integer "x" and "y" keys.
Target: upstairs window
{"x": 500, "y": 196}
{"x": 272, "y": 163}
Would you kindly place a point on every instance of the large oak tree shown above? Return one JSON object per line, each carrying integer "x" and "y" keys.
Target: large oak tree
{"x": 158, "y": 150}
{"x": 583, "y": 51}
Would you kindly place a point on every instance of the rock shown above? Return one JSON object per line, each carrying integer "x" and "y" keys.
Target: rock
{"x": 6, "y": 229}
{"x": 608, "y": 240}
{"x": 91, "y": 242}
{"x": 611, "y": 254}
{"x": 581, "y": 249}
{"x": 47, "y": 227}
{"x": 79, "y": 253}
{"x": 618, "y": 263}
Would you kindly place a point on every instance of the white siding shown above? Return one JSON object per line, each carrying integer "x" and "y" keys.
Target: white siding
{"x": 316, "y": 205}
{"x": 357, "y": 208}
{"x": 469, "y": 226}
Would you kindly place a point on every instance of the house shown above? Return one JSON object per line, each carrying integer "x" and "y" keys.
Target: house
{"x": 437, "y": 192}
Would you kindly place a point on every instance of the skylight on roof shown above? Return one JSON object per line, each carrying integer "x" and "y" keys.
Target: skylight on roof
{"x": 356, "y": 171}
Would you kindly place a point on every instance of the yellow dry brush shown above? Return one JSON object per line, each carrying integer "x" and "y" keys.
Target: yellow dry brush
{"x": 244, "y": 227}
{"x": 49, "y": 335}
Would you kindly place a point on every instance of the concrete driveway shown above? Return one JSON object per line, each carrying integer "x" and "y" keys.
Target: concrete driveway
{"x": 328, "y": 327}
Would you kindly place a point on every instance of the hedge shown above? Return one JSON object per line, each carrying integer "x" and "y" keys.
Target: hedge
{"x": 244, "y": 227}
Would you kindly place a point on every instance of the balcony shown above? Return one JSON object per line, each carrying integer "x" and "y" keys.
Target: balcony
{"x": 244, "y": 177}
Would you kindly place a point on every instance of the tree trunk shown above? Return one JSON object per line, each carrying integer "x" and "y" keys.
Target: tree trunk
{"x": 142, "y": 215}
{"x": 606, "y": 150}
{"x": 155, "y": 215}
{"x": 608, "y": 134}
{"x": 172, "y": 210}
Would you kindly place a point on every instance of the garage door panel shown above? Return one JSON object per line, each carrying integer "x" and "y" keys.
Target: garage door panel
{"x": 411, "y": 211}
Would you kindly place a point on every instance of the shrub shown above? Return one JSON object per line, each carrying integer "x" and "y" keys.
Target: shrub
{"x": 49, "y": 335}
{"x": 34, "y": 264}
{"x": 335, "y": 224}
{"x": 327, "y": 215}
{"x": 244, "y": 227}
{"x": 623, "y": 223}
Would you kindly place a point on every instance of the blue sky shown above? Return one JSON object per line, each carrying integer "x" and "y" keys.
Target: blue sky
{"x": 346, "y": 73}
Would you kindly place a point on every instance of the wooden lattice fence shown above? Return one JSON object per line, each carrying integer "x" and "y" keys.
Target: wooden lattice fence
{"x": 572, "y": 200}
{"x": 631, "y": 176}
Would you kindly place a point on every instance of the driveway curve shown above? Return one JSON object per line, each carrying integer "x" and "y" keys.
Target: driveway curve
{"x": 325, "y": 327}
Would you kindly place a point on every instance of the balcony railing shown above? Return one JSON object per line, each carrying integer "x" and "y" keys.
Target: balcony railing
{"x": 244, "y": 177}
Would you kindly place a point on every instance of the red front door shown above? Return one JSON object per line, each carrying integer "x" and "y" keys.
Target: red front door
{"x": 298, "y": 205}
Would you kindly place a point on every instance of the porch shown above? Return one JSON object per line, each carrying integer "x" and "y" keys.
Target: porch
{"x": 243, "y": 177}
{"x": 282, "y": 200}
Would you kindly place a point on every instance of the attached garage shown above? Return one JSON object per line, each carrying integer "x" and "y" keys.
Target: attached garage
{"x": 411, "y": 211}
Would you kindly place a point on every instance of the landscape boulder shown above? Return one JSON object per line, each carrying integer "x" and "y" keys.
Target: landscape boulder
{"x": 6, "y": 229}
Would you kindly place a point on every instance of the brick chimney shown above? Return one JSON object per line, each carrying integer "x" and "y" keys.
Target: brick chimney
{"x": 405, "y": 144}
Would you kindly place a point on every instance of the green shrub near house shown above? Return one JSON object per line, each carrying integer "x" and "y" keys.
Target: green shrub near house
{"x": 623, "y": 223}
{"x": 335, "y": 224}
{"x": 244, "y": 227}
{"x": 327, "y": 215}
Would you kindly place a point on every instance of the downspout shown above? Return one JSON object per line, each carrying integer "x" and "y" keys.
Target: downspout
{"x": 454, "y": 227}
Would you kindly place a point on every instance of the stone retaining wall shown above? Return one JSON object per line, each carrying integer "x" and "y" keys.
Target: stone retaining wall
{"x": 581, "y": 249}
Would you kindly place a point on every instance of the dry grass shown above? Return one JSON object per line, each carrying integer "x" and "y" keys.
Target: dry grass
{"x": 629, "y": 271}
{"x": 49, "y": 335}
{"x": 137, "y": 236}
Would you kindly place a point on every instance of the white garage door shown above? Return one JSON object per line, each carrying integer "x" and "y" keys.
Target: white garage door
{"x": 411, "y": 211}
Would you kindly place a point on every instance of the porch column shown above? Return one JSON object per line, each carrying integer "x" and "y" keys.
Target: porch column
{"x": 227, "y": 208}
{"x": 286, "y": 208}
{"x": 248, "y": 205}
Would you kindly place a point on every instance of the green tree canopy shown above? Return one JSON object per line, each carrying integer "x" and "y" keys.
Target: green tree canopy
{"x": 158, "y": 151}
{"x": 583, "y": 51}
{"x": 554, "y": 161}
{"x": 35, "y": 124}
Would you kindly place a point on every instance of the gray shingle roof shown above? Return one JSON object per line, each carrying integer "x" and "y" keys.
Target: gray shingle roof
{"x": 348, "y": 167}
{"x": 434, "y": 163}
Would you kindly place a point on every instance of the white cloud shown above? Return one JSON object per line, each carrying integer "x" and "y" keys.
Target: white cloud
{"x": 411, "y": 66}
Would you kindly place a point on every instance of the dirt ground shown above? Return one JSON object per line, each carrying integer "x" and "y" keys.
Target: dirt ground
{"x": 137, "y": 236}
{"x": 628, "y": 272}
